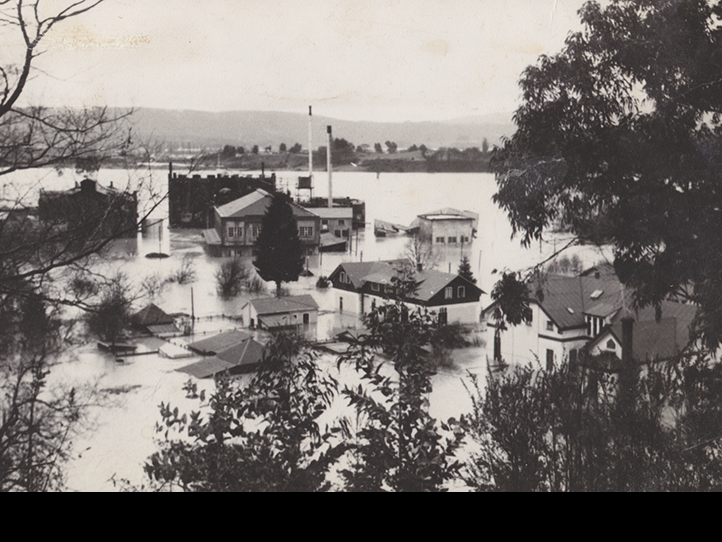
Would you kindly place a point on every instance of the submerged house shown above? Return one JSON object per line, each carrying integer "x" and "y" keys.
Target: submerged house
{"x": 91, "y": 209}
{"x": 153, "y": 320}
{"x": 192, "y": 198}
{"x": 237, "y": 225}
{"x": 239, "y": 358}
{"x": 293, "y": 313}
{"x": 360, "y": 286}
{"x": 448, "y": 226}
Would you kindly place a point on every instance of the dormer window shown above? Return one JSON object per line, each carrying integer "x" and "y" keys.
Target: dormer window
{"x": 611, "y": 345}
{"x": 596, "y": 294}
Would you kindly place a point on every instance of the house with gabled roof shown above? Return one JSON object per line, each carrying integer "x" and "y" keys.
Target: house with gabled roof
{"x": 237, "y": 225}
{"x": 569, "y": 312}
{"x": 652, "y": 340}
{"x": 361, "y": 286}
{"x": 239, "y": 358}
{"x": 155, "y": 321}
{"x": 294, "y": 313}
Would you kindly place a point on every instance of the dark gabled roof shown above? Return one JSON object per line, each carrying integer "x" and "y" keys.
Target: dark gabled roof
{"x": 653, "y": 340}
{"x": 218, "y": 343}
{"x": 244, "y": 355}
{"x": 430, "y": 282}
{"x": 359, "y": 271}
{"x": 151, "y": 315}
{"x": 282, "y": 305}
{"x": 562, "y": 293}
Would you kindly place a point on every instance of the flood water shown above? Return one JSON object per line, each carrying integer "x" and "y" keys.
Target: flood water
{"x": 119, "y": 434}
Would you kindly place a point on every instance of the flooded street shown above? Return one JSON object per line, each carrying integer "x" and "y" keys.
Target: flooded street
{"x": 120, "y": 431}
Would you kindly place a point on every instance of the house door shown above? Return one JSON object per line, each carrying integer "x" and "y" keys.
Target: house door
{"x": 340, "y": 304}
{"x": 362, "y": 299}
{"x": 306, "y": 321}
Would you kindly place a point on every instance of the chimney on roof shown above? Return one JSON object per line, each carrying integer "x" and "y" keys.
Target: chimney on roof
{"x": 597, "y": 275}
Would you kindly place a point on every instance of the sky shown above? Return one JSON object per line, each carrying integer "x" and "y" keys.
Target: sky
{"x": 377, "y": 60}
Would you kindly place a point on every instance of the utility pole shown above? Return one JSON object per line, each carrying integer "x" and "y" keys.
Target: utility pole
{"x": 329, "y": 167}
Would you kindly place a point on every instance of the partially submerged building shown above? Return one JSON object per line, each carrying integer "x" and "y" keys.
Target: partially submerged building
{"x": 233, "y": 353}
{"x": 191, "y": 199}
{"x": 448, "y": 226}
{"x": 237, "y": 225}
{"x": 153, "y": 320}
{"x": 361, "y": 286}
{"x": 293, "y": 313}
{"x": 91, "y": 209}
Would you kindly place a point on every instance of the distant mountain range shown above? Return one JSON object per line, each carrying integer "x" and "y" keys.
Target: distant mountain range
{"x": 264, "y": 128}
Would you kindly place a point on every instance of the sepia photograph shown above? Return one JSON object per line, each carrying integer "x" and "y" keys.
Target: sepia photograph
{"x": 378, "y": 246}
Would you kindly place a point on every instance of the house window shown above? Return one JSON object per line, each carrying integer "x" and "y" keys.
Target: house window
{"x": 306, "y": 231}
{"x": 452, "y": 240}
{"x": 324, "y": 222}
{"x": 239, "y": 232}
{"x": 550, "y": 325}
{"x": 375, "y": 287}
{"x": 255, "y": 231}
{"x": 342, "y": 277}
{"x": 550, "y": 360}
{"x": 461, "y": 292}
{"x": 611, "y": 345}
{"x": 449, "y": 293}
{"x": 388, "y": 289}
{"x": 231, "y": 232}
{"x": 341, "y": 223}
{"x": 440, "y": 240}
{"x": 531, "y": 319}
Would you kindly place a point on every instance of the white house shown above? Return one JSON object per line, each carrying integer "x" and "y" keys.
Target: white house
{"x": 359, "y": 286}
{"x": 296, "y": 313}
{"x": 572, "y": 311}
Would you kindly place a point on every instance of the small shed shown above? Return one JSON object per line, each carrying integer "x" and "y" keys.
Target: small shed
{"x": 296, "y": 313}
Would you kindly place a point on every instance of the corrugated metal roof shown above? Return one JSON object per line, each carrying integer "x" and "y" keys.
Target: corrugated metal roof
{"x": 281, "y": 305}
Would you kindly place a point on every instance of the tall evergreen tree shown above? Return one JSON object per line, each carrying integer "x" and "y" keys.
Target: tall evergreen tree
{"x": 278, "y": 250}
{"x": 465, "y": 270}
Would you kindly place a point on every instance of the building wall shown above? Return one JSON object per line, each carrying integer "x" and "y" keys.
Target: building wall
{"x": 434, "y": 229}
{"x": 526, "y": 343}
